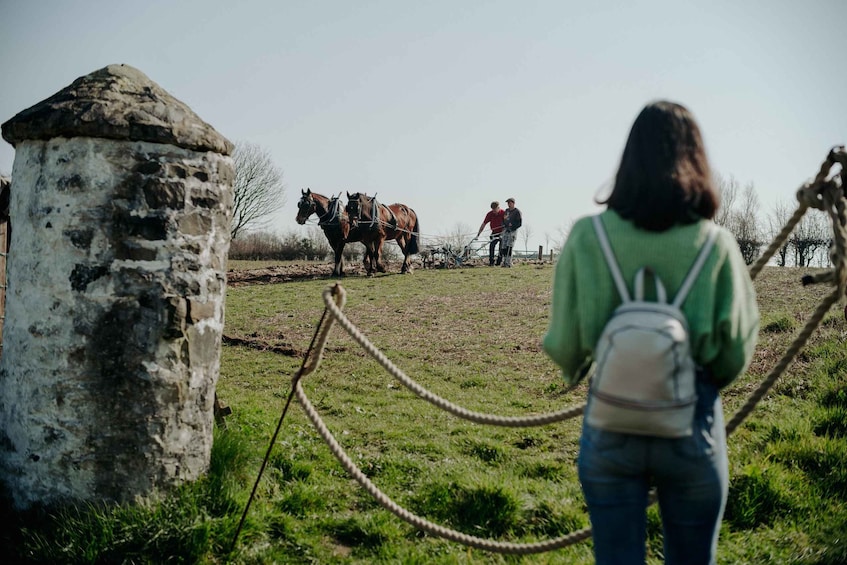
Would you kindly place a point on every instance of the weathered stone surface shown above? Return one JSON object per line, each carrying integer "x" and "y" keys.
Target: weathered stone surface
{"x": 116, "y": 102}
{"x": 114, "y": 318}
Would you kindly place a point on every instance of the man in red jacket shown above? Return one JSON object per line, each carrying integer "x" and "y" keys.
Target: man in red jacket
{"x": 495, "y": 218}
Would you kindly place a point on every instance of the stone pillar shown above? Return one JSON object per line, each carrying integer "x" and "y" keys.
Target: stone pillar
{"x": 121, "y": 203}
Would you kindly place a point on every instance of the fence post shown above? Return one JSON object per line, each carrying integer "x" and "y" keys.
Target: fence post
{"x": 121, "y": 202}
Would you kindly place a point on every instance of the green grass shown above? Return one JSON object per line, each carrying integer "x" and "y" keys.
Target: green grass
{"x": 472, "y": 336}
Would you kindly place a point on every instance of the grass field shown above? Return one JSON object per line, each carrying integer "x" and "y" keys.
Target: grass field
{"x": 473, "y": 337}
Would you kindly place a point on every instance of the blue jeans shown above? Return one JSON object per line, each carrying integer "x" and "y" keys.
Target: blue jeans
{"x": 691, "y": 475}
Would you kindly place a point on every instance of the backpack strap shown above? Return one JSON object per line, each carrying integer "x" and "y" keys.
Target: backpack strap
{"x": 682, "y": 293}
{"x": 661, "y": 293}
{"x": 610, "y": 258}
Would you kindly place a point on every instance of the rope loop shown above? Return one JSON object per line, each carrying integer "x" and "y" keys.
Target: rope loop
{"x": 825, "y": 193}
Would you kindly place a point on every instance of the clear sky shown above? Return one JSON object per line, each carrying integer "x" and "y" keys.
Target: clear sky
{"x": 445, "y": 105}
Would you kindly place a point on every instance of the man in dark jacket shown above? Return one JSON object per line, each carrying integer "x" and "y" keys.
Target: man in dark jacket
{"x": 511, "y": 222}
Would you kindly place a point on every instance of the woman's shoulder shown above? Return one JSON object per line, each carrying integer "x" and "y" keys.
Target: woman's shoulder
{"x": 581, "y": 227}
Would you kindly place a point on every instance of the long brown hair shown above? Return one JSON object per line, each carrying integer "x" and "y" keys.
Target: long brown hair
{"x": 664, "y": 177}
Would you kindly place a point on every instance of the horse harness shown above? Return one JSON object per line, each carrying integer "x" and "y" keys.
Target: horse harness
{"x": 375, "y": 221}
{"x": 333, "y": 213}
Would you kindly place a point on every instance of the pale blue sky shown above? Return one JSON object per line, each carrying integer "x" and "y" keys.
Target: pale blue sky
{"x": 447, "y": 105}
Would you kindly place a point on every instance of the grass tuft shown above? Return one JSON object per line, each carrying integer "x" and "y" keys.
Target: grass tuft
{"x": 485, "y": 510}
{"x": 781, "y": 323}
{"x": 831, "y": 422}
{"x": 823, "y": 462}
{"x": 547, "y": 520}
{"x": 487, "y": 452}
{"x": 755, "y": 499}
{"x": 834, "y": 397}
{"x": 364, "y": 533}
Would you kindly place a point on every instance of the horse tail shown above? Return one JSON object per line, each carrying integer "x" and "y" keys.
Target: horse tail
{"x": 412, "y": 246}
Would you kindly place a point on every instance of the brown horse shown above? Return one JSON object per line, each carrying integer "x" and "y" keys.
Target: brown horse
{"x": 379, "y": 222}
{"x": 333, "y": 220}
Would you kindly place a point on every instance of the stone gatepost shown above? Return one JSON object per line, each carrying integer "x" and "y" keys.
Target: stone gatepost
{"x": 121, "y": 203}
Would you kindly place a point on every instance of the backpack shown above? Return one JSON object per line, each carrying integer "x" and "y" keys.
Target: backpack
{"x": 644, "y": 379}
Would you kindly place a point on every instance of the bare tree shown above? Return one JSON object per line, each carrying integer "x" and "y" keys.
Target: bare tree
{"x": 808, "y": 238}
{"x": 728, "y": 191}
{"x": 561, "y": 236}
{"x": 738, "y": 212}
{"x": 745, "y": 224}
{"x": 777, "y": 219}
{"x": 526, "y": 236}
{"x": 258, "y": 190}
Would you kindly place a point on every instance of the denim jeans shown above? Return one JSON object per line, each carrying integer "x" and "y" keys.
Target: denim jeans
{"x": 691, "y": 475}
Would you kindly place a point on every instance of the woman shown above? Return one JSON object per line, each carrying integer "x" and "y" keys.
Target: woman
{"x": 658, "y": 214}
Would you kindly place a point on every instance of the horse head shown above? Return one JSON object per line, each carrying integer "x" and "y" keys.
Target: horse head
{"x": 354, "y": 207}
{"x": 305, "y": 207}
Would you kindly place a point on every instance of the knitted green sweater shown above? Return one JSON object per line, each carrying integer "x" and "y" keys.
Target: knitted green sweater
{"x": 721, "y": 309}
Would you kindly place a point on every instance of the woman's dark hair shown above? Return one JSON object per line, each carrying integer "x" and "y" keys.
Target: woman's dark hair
{"x": 664, "y": 177}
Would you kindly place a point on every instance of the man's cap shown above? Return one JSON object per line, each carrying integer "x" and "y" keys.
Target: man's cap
{"x": 510, "y": 200}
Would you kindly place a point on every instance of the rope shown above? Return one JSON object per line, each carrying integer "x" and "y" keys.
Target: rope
{"x": 823, "y": 194}
{"x": 477, "y": 417}
{"x": 779, "y": 240}
{"x": 417, "y": 521}
{"x": 334, "y": 298}
{"x": 783, "y": 363}
{"x": 828, "y": 196}
{"x": 310, "y": 362}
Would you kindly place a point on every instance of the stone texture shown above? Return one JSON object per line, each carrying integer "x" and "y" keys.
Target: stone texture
{"x": 115, "y": 304}
{"x": 116, "y": 102}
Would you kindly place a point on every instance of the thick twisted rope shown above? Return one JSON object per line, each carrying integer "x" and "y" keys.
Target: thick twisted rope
{"x": 310, "y": 363}
{"x": 779, "y": 240}
{"x": 334, "y": 299}
{"x": 827, "y": 195}
{"x": 784, "y": 361}
{"x": 417, "y": 521}
{"x": 477, "y": 417}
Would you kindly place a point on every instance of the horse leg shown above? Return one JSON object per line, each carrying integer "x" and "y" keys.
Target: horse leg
{"x": 407, "y": 264}
{"x": 369, "y": 259}
{"x": 380, "y": 266}
{"x": 338, "y": 271}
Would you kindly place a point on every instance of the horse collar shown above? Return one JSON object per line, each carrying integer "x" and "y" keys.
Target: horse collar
{"x": 375, "y": 221}
{"x": 374, "y": 213}
{"x": 334, "y": 217}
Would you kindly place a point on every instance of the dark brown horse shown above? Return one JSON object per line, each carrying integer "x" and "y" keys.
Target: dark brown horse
{"x": 379, "y": 222}
{"x": 333, "y": 220}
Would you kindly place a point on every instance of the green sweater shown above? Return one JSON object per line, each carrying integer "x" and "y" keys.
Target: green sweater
{"x": 721, "y": 309}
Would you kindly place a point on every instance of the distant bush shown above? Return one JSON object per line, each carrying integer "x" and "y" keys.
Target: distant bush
{"x": 290, "y": 246}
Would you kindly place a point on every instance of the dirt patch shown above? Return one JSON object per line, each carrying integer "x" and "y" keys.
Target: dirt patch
{"x": 288, "y": 273}
{"x": 255, "y": 342}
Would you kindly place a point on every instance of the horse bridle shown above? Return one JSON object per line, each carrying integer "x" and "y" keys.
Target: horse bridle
{"x": 354, "y": 209}
{"x": 307, "y": 204}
